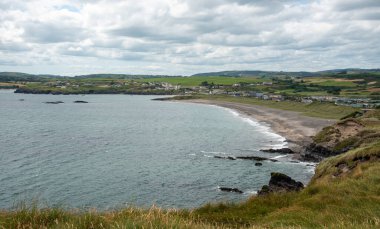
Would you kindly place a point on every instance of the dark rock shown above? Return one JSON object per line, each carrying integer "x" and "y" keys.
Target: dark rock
{"x": 258, "y": 164}
{"x": 225, "y": 189}
{"x": 80, "y": 101}
{"x": 21, "y": 100}
{"x": 280, "y": 151}
{"x": 54, "y": 102}
{"x": 280, "y": 183}
{"x": 255, "y": 158}
{"x": 294, "y": 162}
{"x": 316, "y": 153}
{"x": 229, "y": 157}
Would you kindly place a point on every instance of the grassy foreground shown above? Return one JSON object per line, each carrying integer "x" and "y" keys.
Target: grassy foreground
{"x": 335, "y": 198}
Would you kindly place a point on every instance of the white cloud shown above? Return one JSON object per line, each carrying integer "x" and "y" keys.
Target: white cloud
{"x": 185, "y": 37}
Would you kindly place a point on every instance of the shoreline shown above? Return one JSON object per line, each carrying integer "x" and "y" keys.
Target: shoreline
{"x": 295, "y": 127}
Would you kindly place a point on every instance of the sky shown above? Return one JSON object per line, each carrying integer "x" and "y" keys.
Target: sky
{"x": 184, "y": 37}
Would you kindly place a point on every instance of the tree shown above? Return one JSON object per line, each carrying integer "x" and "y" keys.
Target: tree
{"x": 204, "y": 83}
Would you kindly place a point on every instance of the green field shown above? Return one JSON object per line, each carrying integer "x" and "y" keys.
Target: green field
{"x": 335, "y": 82}
{"x": 196, "y": 81}
{"x": 289, "y": 86}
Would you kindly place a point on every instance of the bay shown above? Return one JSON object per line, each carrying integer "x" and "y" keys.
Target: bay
{"x": 123, "y": 150}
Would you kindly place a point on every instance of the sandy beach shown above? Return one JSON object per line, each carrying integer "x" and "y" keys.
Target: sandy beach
{"x": 295, "y": 127}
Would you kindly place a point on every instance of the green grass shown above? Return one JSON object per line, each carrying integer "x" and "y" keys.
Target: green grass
{"x": 330, "y": 81}
{"x": 337, "y": 83}
{"x": 324, "y": 135}
{"x": 302, "y": 93}
{"x": 196, "y": 81}
{"x": 316, "y": 109}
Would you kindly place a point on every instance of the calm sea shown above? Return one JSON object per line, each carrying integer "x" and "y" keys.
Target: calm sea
{"x": 122, "y": 150}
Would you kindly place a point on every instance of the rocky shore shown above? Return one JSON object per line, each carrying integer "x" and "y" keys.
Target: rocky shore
{"x": 297, "y": 129}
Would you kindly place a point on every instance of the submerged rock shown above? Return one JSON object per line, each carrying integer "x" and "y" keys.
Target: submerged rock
{"x": 258, "y": 164}
{"x": 80, "y": 101}
{"x": 54, "y": 102}
{"x": 280, "y": 151}
{"x": 225, "y": 189}
{"x": 229, "y": 157}
{"x": 280, "y": 183}
{"x": 255, "y": 158}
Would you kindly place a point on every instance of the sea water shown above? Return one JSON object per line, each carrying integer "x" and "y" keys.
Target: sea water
{"x": 122, "y": 150}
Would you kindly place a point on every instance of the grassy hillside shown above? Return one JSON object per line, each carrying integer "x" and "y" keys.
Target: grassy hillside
{"x": 197, "y": 80}
{"x": 344, "y": 193}
{"x": 290, "y": 84}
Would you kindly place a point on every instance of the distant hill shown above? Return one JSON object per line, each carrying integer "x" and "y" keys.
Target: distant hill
{"x": 120, "y": 76}
{"x": 18, "y": 76}
{"x": 351, "y": 71}
{"x": 282, "y": 73}
{"x": 256, "y": 73}
{"x": 344, "y": 73}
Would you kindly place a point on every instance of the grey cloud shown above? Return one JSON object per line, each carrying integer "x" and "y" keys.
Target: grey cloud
{"x": 73, "y": 52}
{"x": 14, "y": 47}
{"x": 51, "y": 33}
{"x": 210, "y": 34}
{"x": 153, "y": 33}
{"x": 349, "y": 5}
{"x": 9, "y": 63}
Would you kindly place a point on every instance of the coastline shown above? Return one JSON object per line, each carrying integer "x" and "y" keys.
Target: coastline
{"x": 295, "y": 127}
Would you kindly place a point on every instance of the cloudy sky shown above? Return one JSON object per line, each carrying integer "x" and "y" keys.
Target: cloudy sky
{"x": 72, "y": 37}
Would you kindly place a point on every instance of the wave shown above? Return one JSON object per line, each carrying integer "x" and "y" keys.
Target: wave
{"x": 262, "y": 127}
{"x": 251, "y": 192}
{"x": 210, "y": 152}
{"x": 280, "y": 156}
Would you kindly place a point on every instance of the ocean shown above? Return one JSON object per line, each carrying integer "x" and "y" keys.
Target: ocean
{"x": 122, "y": 150}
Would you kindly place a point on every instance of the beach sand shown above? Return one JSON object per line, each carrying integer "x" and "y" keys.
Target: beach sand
{"x": 294, "y": 126}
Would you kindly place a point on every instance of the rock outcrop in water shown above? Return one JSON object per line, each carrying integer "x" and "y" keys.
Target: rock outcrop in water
{"x": 253, "y": 158}
{"x": 280, "y": 151}
{"x": 80, "y": 101}
{"x": 54, "y": 102}
{"x": 229, "y": 157}
{"x": 225, "y": 189}
{"x": 280, "y": 183}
